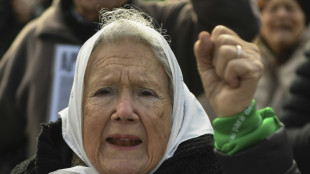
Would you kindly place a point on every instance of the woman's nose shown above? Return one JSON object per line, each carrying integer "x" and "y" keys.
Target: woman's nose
{"x": 125, "y": 110}
{"x": 282, "y": 11}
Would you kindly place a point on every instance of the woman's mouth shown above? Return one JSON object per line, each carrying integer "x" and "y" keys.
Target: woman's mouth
{"x": 124, "y": 141}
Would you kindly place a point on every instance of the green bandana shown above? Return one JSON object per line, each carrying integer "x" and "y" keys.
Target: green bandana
{"x": 244, "y": 130}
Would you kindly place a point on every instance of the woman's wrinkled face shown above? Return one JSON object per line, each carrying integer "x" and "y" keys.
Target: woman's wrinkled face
{"x": 283, "y": 21}
{"x": 126, "y": 108}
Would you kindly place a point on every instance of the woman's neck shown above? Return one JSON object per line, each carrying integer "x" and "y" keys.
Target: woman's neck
{"x": 282, "y": 53}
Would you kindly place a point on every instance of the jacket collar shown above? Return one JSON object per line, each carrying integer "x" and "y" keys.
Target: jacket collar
{"x": 59, "y": 22}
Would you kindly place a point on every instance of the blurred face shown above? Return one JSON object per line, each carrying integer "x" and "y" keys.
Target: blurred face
{"x": 22, "y": 9}
{"x": 89, "y": 8}
{"x": 126, "y": 108}
{"x": 283, "y": 22}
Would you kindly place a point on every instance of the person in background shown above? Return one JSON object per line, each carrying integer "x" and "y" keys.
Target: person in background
{"x": 130, "y": 111}
{"x": 14, "y": 16}
{"x": 282, "y": 39}
{"x": 12, "y": 19}
{"x": 36, "y": 73}
{"x": 288, "y": 24}
{"x": 296, "y": 114}
{"x": 296, "y": 111}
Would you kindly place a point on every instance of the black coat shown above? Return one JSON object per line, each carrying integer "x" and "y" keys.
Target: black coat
{"x": 53, "y": 154}
{"x": 194, "y": 156}
{"x": 296, "y": 116}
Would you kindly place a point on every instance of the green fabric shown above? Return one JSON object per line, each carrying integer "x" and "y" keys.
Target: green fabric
{"x": 244, "y": 130}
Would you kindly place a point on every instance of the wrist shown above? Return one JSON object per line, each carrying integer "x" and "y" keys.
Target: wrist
{"x": 228, "y": 110}
{"x": 230, "y": 126}
{"x": 244, "y": 130}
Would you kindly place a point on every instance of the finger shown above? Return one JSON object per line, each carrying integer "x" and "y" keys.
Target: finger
{"x": 221, "y": 30}
{"x": 243, "y": 70}
{"x": 203, "y": 51}
{"x": 222, "y": 37}
{"x": 225, "y": 54}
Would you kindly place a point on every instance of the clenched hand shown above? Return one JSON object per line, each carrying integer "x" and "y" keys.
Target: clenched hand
{"x": 229, "y": 68}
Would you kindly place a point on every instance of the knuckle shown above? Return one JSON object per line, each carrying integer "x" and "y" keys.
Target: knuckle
{"x": 225, "y": 52}
{"x": 219, "y": 29}
{"x": 223, "y": 39}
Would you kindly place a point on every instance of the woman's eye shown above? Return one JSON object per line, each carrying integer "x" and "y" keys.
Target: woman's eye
{"x": 147, "y": 92}
{"x": 103, "y": 91}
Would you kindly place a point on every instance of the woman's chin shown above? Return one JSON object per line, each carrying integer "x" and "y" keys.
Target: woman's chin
{"x": 123, "y": 167}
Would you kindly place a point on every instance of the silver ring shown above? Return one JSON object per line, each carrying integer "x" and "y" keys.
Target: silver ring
{"x": 239, "y": 51}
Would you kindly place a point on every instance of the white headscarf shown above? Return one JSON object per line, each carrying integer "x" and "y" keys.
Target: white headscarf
{"x": 189, "y": 120}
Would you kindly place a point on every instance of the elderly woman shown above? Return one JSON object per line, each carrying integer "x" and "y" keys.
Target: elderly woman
{"x": 282, "y": 41}
{"x": 130, "y": 111}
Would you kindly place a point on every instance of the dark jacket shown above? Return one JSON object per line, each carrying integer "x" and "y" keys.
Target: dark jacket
{"x": 9, "y": 25}
{"x": 194, "y": 156}
{"x": 27, "y": 69}
{"x": 296, "y": 116}
{"x": 271, "y": 156}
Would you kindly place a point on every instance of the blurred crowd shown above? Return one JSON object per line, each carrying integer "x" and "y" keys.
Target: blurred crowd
{"x": 40, "y": 39}
{"x": 14, "y": 15}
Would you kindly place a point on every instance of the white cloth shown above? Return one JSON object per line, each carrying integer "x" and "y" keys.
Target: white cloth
{"x": 189, "y": 120}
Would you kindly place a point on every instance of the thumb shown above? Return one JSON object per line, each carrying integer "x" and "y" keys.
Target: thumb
{"x": 203, "y": 50}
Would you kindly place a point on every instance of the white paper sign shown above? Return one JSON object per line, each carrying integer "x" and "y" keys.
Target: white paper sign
{"x": 64, "y": 66}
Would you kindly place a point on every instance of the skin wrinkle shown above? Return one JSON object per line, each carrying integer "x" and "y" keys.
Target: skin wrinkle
{"x": 112, "y": 59}
{"x": 160, "y": 56}
{"x": 227, "y": 77}
{"x": 109, "y": 81}
{"x": 127, "y": 73}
